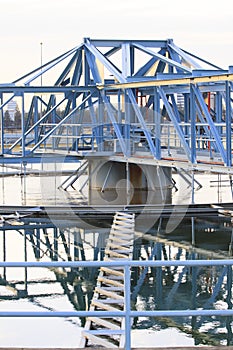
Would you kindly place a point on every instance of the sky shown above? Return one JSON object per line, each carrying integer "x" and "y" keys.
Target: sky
{"x": 201, "y": 27}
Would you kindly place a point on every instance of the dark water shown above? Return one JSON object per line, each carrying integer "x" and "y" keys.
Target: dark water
{"x": 40, "y": 289}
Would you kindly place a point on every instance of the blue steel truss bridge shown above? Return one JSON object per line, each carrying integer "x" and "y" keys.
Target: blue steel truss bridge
{"x": 133, "y": 101}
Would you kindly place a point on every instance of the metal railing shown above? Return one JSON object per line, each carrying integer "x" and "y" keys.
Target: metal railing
{"x": 128, "y": 313}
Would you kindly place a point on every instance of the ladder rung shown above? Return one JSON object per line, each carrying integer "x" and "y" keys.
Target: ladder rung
{"x": 99, "y": 341}
{"x": 121, "y": 227}
{"x": 112, "y": 282}
{"x": 119, "y": 240}
{"x": 108, "y": 293}
{"x": 111, "y": 301}
{"x": 120, "y": 247}
{"x": 106, "y": 258}
{"x": 104, "y": 322}
{"x": 112, "y": 271}
{"x": 122, "y": 213}
{"x": 105, "y": 332}
{"x": 114, "y": 277}
{"x": 103, "y": 306}
{"x": 113, "y": 253}
{"x": 115, "y": 289}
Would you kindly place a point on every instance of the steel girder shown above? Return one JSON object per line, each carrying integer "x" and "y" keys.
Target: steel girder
{"x": 172, "y": 99}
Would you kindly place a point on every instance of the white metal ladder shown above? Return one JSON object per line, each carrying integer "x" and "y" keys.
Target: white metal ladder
{"x": 109, "y": 291}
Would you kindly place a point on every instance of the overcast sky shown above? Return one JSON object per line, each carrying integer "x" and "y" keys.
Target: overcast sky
{"x": 202, "y": 27}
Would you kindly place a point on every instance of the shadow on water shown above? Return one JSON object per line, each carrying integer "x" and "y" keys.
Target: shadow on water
{"x": 166, "y": 288}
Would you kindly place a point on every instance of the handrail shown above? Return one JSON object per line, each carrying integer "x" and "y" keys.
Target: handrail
{"x": 127, "y": 313}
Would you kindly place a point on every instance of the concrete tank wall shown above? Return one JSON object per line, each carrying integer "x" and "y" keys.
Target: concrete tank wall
{"x": 127, "y": 183}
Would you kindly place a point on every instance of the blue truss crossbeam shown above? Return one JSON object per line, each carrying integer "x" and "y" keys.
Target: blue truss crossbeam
{"x": 130, "y": 99}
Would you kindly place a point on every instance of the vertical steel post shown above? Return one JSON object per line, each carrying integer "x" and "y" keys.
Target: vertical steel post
{"x": 119, "y": 114}
{"x": 23, "y": 127}
{"x": 25, "y": 259}
{"x": 4, "y": 253}
{"x": 157, "y": 124}
{"x": 100, "y": 122}
{"x": 193, "y": 125}
{"x": 127, "y": 308}
{"x": 2, "y": 127}
{"x": 192, "y": 196}
{"x": 159, "y": 276}
{"x": 127, "y": 183}
{"x": 194, "y": 293}
{"x": 36, "y": 118}
{"x": 126, "y": 135}
{"x": 228, "y": 123}
{"x": 55, "y": 244}
{"x": 37, "y": 243}
{"x": 193, "y": 230}
{"x": 229, "y": 303}
{"x": 186, "y": 113}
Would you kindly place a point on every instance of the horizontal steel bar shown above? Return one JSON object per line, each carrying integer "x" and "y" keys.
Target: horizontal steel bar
{"x": 122, "y": 262}
{"x": 46, "y": 89}
{"x": 115, "y": 43}
{"x": 110, "y": 314}
{"x": 105, "y": 314}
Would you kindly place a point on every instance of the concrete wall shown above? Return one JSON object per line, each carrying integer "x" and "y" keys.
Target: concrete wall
{"x": 122, "y": 183}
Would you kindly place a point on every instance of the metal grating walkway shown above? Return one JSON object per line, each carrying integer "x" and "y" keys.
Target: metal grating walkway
{"x": 109, "y": 292}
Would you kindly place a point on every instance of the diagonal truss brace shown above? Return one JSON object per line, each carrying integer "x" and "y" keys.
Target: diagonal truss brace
{"x": 175, "y": 122}
{"x": 121, "y": 79}
{"x": 60, "y": 124}
{"x": 210, "y": 122}
{"x": 92, "y": 64}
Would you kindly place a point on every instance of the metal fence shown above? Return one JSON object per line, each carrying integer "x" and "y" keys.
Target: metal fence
{"x": 128, "y": 313}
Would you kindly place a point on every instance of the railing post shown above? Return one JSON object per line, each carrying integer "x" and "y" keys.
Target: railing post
{"x": 127, "y": 308}
{"x": 228, "y": 124}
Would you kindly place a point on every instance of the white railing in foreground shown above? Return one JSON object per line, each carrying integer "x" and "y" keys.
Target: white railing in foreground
{"x": 127, "y": 313}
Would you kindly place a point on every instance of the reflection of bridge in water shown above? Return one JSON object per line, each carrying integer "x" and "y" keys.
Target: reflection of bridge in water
{"x": 152, "y": 288}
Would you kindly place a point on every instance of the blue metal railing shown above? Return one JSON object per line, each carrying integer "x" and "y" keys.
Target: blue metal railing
{"x": 127, "y": 313}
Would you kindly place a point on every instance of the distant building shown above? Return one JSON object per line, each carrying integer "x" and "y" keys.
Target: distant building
{"x": 11, "y": 107}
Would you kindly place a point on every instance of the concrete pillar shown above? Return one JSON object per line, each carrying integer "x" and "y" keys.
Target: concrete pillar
{"x": 116, "y": 183}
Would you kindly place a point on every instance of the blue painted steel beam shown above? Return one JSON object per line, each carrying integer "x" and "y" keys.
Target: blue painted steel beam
{"x": 175, "y": 123}
{"x": 163, "y": 58}
{"x": 59, "y": 124}
{"x": 104, "y": 61}
{"x": 112, "y": 314}
{"x": 209, "y": 120}
{"x": 115, "y": 263}
{"x": 127, "y": 63}
{"x": 193, "y": 125}
{"x": 118, "y": 43}
{"x": 36, "y": 124}
{"x": 42, "y": 69}
{"x": 91, "y": 54}
{"x": 16, "y": 90}
{"x": 157, "y": 121}
{"x": 143, "y": 70}
{"x": 78, "y": 69}
{"x": 142, "y": 122}
{"x": 119, "y": 76}
{"x": 228, "y": 125}
{"x": 186, "y": 57}
{"x": 200, "y": 59}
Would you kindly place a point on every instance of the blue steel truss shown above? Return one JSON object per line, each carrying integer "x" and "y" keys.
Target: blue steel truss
{"x": 130, "y": 99}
